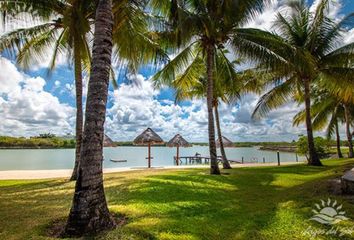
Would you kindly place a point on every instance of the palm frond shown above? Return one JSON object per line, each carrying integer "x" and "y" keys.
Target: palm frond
{"x": 274, "y": 98}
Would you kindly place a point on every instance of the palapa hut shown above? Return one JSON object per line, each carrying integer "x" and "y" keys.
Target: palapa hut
{"x": 148, "y": 137}
{"x": 107, "y": 141}
{"x": 226, "y": 142}
{"x": 178, "y": 141}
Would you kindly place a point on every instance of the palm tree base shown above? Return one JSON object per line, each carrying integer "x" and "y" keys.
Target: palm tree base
{"x": 227, "y": 167}
{"x": 316, "y": 163}
{"x": 73, "y": 177}
{"x": 214, "y": 170}
{"x": 78, "y": 227}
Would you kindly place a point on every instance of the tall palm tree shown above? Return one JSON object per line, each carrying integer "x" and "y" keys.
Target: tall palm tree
{"x": 193, "y": 84}
{"x": 212, "y": 25}
{"x": 89, "y": 212}
{"x": 348, "y": 110}
{"x": 198, "y": 89}
{"x": 303, "y": 52}
{"x": 327, "y": 112}
{"x": 68, "y": 32}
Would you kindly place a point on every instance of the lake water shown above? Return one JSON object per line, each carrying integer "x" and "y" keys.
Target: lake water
{"x": 43, "y": 159}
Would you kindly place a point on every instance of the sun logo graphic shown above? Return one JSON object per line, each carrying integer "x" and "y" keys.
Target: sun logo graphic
{"x": 328, "y": 213}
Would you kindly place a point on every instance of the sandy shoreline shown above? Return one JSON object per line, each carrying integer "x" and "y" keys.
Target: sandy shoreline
{"x": 65, "y": 173}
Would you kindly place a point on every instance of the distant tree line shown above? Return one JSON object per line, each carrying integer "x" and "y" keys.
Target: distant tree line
{"x": 36, "y": 142}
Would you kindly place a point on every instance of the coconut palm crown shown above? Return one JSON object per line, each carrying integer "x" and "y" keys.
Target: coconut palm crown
{"x": 305, "y": 50}
{"x": 199, "y": 31}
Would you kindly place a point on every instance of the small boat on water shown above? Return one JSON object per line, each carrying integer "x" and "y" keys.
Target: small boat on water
{"x": 118, "y": 160}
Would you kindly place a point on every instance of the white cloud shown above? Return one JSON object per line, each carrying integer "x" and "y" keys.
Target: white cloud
{"x": 135, "y": 107}
{"x": 26, "y": 108}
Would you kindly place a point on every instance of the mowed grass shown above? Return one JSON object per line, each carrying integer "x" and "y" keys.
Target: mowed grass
{"x": 248, "y": 203}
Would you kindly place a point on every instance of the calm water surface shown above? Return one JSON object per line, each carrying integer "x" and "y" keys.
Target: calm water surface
{"x": 43, "y": 159}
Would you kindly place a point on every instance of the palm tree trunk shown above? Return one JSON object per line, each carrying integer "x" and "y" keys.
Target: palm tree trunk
{"x": 177, "y": 156}
{"x": 339, "y": 152}
{"x": 214, "y": 167}
{"x": 89, "y": 212}
{"x": 225, "y": 162}
{"x": 347, "y": 128}
{"x": 79, "y": 112}
{"x": 313, "y": 160}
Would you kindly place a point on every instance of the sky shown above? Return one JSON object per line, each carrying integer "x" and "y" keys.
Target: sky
{"x": 33, "y": 102}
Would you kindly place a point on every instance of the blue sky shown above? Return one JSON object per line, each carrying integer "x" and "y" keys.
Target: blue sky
{"x": 35, "y": 103}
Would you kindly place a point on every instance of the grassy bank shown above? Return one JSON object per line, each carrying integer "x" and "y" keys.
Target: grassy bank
{"x": 249, "y": 203}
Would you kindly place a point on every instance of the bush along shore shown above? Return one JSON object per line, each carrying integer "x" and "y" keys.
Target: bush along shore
{"x": 35, "y": 142}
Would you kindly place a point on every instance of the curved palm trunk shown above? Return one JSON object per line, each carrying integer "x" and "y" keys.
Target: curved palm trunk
{"x": 89, "y": 212}
{"x": 347, "y": 128}
{"x": 313, "y": 159}
{"x": 214, "y": 167}
{"x": 339, "y": 152}
{"x": 225, "y": 162}
{"x": 79, "y": 112}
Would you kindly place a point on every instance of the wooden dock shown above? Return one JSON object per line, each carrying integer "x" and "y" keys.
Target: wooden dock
{"x": 189, "y": 160}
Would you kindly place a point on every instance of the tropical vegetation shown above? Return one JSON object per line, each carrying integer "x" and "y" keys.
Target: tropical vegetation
{"x": 305, "y": 51}
{"x": 36, "y": 142}
{"x": 303, "y": 55}
{"x": 212, "y": 26}
{"x": 64, "y": 29}
{"x": 328, "y": 112}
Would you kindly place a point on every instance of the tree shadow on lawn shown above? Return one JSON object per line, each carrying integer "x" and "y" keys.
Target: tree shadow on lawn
{"x": 29, "y": 207}
{"x": 170, "y": 204}
{"x": 236, "y": 206}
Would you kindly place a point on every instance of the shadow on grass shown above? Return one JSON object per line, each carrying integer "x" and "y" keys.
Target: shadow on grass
{"x": 179, "y": 204}
{"x": 238, "y": 205}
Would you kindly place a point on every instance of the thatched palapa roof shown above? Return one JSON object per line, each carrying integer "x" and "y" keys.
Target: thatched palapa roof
{"x": 107, "y": 141}
{"x": 148, "y": 136}
{"x": 178, "y": 141}
{"x": 227, "y": 142}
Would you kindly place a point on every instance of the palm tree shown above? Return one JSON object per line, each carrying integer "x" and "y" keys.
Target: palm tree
{"x": 327, "y": 112}
{"x": 67, "y": 33}
{"x": 303, "y": 52}
{"x": 211, "y": 26}
{"x": 70, "y": 32}
{"x": 194, "y": 85}
{"x": 348, "y": 119}
{"x": 198, "y": 89}
{"x": 89, "y": 212}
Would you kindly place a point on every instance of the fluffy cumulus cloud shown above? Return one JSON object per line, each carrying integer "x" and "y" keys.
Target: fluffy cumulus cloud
{"x": 26, "y": 108}
{"x": 137, "y": 106}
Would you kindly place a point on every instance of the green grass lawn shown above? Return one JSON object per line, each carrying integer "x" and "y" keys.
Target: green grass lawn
{"x": 248, "y": 203}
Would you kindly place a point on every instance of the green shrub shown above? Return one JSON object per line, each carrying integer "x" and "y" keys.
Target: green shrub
{"x": 322, "y": 146}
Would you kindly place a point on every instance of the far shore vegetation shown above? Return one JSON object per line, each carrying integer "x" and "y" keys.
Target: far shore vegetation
{"x": 50, "y": 141}
{"x": 41, "y": 141}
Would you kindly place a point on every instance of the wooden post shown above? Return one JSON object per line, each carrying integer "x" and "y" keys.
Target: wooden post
{"x": 297, "y": 159}
{"x": 177, "y": 158}
{"x": 242, "y": 159}
{"x": 278, "y": 156}
{"x": 263, "y": 159}
{"x": 149, "y": 155}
